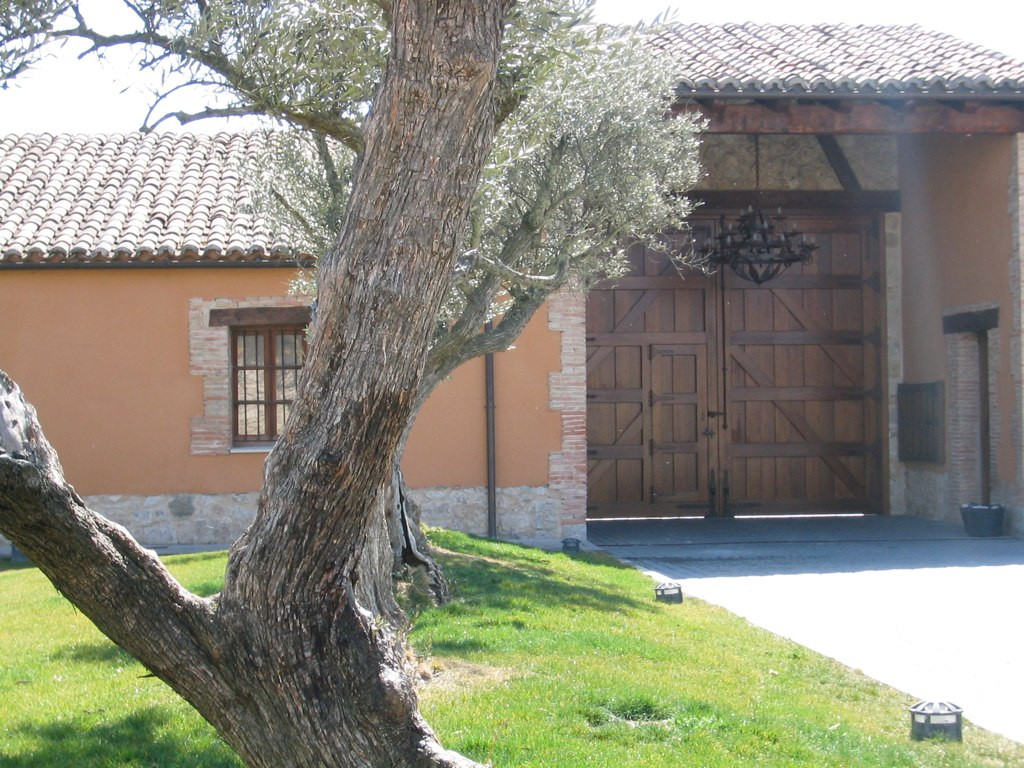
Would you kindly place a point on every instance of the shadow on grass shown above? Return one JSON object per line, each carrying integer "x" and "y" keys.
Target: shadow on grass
{"x": 206, "y": 588}
{"x": 461, "y": 645}
{"x": 16, "y": 565}
{"x": 195, "y": 557}
{"x": 138, "y": 739}
{"x": 99, "y": 653}
{"x": 513, "y": 581}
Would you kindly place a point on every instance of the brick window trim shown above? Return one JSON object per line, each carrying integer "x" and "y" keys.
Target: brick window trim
{"x": 209, "y": 359}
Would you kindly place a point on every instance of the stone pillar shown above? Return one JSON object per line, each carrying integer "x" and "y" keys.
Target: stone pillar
{"x": 893, "y": 226}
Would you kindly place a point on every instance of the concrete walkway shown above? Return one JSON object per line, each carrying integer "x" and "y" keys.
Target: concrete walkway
{"x": 914, "y": 603}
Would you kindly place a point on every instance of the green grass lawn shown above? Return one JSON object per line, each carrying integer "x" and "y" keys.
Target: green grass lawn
{"x": 542, "y": 660}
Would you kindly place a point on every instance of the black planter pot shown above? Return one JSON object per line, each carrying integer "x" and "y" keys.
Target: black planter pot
{"x": 982, "y": 519}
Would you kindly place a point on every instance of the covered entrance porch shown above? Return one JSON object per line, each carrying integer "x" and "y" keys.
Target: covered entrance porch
{"x": 882, "y": 378}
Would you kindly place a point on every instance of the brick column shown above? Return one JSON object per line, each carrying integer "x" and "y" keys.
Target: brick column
{"x": 567, "y": 468}
{"x": 964, "y": 413}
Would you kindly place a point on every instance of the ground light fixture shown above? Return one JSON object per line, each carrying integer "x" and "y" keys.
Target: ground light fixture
{"x": 668, "y": 592}
{"x": 570, "y": 545}
{"x": 930, "y": 719}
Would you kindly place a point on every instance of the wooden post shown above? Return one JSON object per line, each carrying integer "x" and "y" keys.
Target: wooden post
{"x": 984, "y": 408}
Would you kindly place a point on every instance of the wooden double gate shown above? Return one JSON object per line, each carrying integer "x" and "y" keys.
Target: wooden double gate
{"x": 710, "y": 395}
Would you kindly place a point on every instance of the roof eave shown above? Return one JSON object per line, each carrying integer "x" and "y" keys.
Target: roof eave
{"x": 684, "y": 93}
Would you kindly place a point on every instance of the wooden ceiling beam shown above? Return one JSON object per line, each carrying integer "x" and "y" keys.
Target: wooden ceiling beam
{"x": 866, "y": 117}
{"x": 735, "y": 200}
{"x": 840, "y": 164}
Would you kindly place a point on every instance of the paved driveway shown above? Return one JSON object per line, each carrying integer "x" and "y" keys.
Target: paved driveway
{"x": 913, "y": 603}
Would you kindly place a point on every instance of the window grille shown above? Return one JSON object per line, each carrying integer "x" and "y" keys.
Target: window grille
{"x": 922, "y": 422}
{"x": 265, "y": 365}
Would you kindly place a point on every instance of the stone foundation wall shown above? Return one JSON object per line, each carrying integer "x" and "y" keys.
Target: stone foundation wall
{"x": 523, "y": 513}
{"x": 201, "y": 520}
{"x": 927, "y": 495}
{"x": 170, "y": 520}
{"x": 209, "y": 520}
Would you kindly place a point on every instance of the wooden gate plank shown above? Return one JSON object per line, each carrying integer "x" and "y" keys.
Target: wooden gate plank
{"x": 794, "y": 364}
{"x": 796, "y": 418}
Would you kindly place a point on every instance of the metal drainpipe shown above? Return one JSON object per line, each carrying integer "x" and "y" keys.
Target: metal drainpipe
{"x": 492, "y": 490}
{"x": 985, "y": 438}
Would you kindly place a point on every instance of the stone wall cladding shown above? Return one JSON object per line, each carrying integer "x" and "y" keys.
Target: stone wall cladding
{"x": 795, "y": 162}
{"x": 525, "y": 512}
{"x": 926, "y": 493}
{"x": 182, "y": 519}
{"x": 894, "y": 355}
{"x": 209, "y": 358}
{"x": 567, "y": 467}
{"x": 217, "y": 520}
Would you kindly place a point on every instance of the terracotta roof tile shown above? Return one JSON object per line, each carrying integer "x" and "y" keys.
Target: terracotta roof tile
{"x": 836, "y": 59}
{"x": 131, "y": 199}
{"x": 138, "y": 198}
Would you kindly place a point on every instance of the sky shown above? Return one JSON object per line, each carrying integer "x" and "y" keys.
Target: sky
{"x": 89, "y": 96}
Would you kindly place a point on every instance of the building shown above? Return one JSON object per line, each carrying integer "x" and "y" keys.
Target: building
{"x": 885, "y": 376}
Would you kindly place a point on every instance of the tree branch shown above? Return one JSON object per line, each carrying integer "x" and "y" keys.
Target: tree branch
{"x": 343, "y": 129}
{"x": 474, "y": 313}
{"x": 549, "y": 282}
{"x": 297, "y": 215}
{"x": 184, "y": 118}
{"x": 95, "y": 563}
{"x": 386, "y": 6}
{"x": 334, "y": 183}
{"x": 498, "y": 339}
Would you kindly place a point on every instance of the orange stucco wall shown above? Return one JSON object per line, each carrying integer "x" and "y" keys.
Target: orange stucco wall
{"x": 103, "y": 354}
{"x": 449, "y": 438}
{"x": 956, "y": 251}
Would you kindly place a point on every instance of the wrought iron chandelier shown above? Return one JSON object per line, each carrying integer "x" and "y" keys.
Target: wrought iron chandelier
{"x": 757, "y": 247}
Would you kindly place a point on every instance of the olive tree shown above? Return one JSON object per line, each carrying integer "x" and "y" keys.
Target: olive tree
{"x": 285, "y": 662}
{"x": 586, "y": 165}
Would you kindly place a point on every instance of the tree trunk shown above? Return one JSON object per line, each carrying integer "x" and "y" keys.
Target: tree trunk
{"x": 398, "y": 542}
{"x": 285, "y": 663}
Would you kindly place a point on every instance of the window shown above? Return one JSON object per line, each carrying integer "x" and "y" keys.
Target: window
{"x": 266, "y": 352}
{"x": 265, "y": 369}
{"x": 921, "y": 422}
